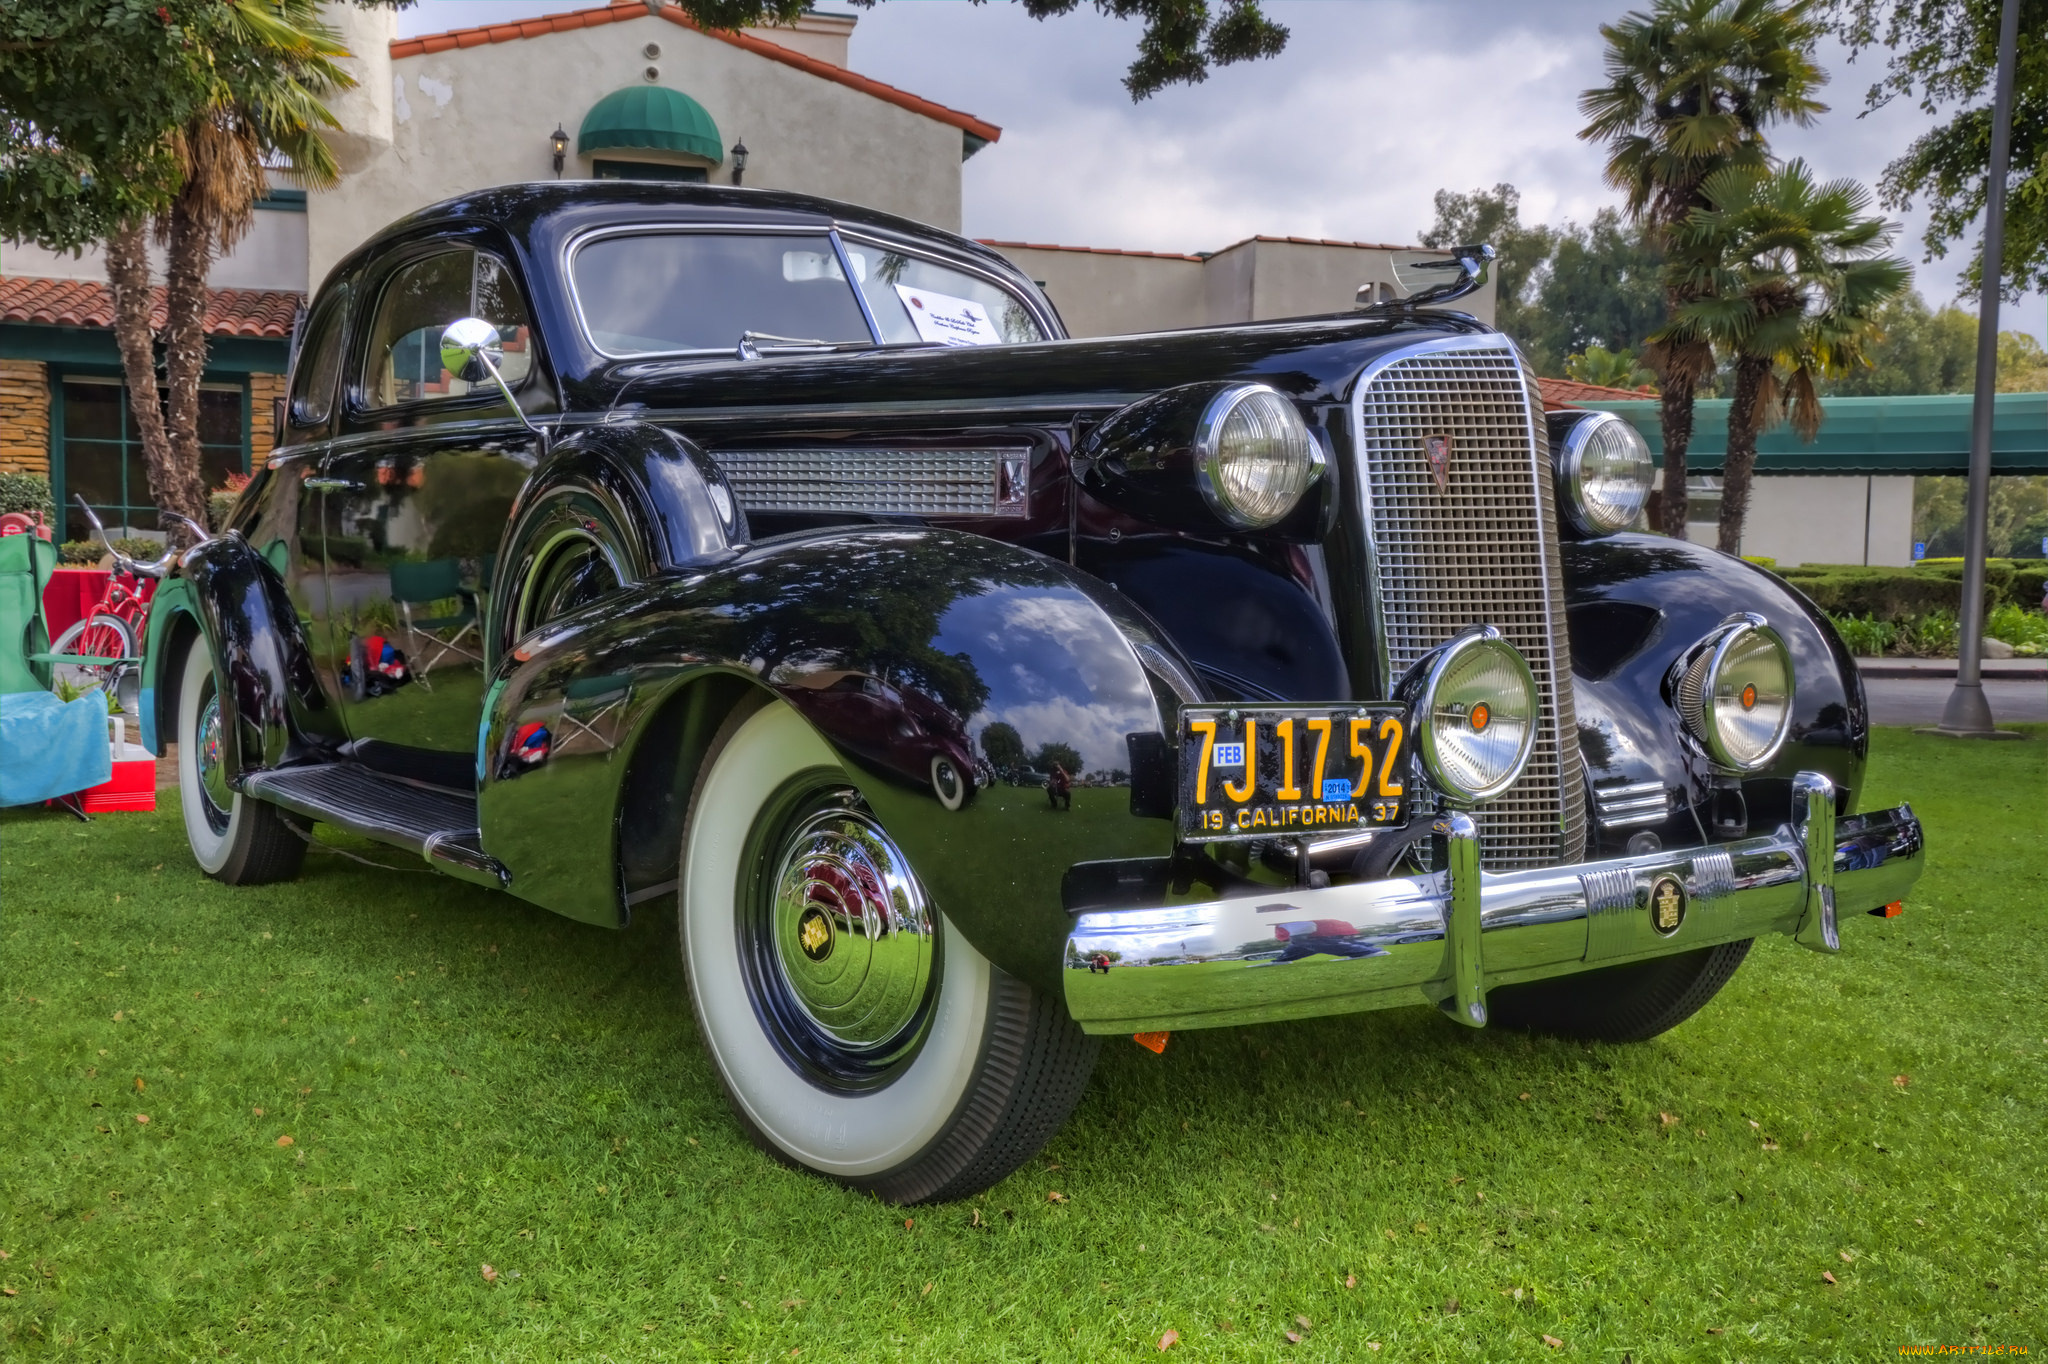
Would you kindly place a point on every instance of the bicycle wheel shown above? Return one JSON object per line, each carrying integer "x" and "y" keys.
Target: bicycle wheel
{"x": 102, "y": 636}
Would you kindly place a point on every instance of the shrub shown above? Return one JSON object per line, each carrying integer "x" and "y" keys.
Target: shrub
{"x": 1865, "y": 636}
{"x": 1930, "y": 636}
{"x": 80, "y": 552}
{"x": 1881, "y": 593}
{"x": 220, "y": 502}
{"x": 27, "y": 493}
{"x": 2026, "y": 631}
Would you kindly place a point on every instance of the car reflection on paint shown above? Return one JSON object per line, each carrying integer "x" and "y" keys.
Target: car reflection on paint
{"x": 902, "y": 731}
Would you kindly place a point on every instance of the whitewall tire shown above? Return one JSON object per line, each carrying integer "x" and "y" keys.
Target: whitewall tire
{"x": 234, "y": 838}
{"x": 856, "y": 1032}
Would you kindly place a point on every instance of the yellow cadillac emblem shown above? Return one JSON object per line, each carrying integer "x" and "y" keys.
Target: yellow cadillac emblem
{"x": 814, "y": 935}
{"x": 1667, "y": 904}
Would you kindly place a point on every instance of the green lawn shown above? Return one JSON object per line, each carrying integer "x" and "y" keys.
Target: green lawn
{"x": 466, "y": 1081}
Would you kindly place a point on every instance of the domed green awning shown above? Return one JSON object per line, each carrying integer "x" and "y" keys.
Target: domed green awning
{"x": 651, "y": 116}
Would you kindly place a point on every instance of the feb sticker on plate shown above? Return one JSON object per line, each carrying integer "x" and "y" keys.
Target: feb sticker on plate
{"x": 948, "y": 320}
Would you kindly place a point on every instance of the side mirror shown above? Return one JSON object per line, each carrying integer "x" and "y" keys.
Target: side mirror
{"x": 471, "y": 351}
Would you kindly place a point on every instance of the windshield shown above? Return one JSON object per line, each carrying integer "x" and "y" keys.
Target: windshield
{"x": 664, "y": 292}
{"x": 700, "y": 291}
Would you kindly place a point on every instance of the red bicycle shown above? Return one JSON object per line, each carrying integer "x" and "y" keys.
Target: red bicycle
{"x": 116, "y": 627}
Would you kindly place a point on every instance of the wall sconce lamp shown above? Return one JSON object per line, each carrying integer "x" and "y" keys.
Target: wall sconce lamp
{"x": 558, "y": 140}
{"x": 739, "y": 160}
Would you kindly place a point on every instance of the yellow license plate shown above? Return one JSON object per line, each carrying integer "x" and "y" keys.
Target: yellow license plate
{"x": 1265, "y": 771}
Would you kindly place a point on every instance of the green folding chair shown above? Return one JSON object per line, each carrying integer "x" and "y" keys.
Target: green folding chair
{"x": 416, "y": 584}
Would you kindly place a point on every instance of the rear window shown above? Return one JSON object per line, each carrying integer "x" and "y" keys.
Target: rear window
{"x": 665, "y": 292}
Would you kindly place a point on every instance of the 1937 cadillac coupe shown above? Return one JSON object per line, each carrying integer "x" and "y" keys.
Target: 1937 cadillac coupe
{"x": 972, "y": 692}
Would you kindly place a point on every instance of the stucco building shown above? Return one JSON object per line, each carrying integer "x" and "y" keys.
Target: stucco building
{"x": 623, "y": 90}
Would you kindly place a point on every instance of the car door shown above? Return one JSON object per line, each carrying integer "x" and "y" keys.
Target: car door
{"x": 413, "y": 513}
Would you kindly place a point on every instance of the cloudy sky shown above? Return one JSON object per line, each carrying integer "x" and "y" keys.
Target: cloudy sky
{"x": 1375, "y": 105}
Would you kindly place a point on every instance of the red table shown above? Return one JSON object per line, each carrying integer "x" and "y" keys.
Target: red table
{"x": 71, "y": 596}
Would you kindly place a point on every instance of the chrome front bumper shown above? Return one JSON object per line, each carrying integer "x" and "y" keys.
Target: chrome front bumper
{"x": 1447, "y": 938}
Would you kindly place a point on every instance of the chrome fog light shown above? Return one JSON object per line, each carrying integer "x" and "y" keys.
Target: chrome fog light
{"x": 1604, "y": 473}
{"x": 1475, "y": 714}
{"x": 1254, "y": 456}
{"x": 1735, "y": 695}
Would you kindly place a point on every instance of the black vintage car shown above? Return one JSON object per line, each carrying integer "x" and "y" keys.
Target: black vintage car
{"x": 970, "y": 692}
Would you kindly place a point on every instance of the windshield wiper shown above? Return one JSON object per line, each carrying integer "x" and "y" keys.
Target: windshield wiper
{"x": 748, "y": 350}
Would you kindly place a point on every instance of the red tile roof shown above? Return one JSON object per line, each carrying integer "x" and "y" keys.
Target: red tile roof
{"x": 1559, "y": 393}
{"x": 1325, "y": 241}
{"x": 262, "y": 313}
{"x": 620, "y": 11}
{"x": 1090, "y": 250}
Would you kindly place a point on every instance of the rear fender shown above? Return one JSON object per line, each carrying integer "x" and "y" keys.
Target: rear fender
{"x": 938, "y": 665}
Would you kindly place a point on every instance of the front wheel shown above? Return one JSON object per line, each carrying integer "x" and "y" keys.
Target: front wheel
{"x": 234, "y": 837}
{"x": 856, "y": 1032}
{"x": 1631, "y": 1003}
{"x": 101, "y": 636}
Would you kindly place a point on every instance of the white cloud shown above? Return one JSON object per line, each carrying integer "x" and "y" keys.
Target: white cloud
{"x": 1348, "y": 134}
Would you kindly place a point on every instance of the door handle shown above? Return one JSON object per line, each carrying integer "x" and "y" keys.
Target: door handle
{"x": 333, "y": 485}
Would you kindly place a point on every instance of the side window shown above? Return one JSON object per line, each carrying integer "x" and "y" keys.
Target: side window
{"x": 403, "y": 364}
{"x": 319, "y": 362}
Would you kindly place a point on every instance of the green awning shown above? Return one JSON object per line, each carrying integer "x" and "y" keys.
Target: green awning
{"x": 1920, "y": 434}
{"x": 654, "y": 117}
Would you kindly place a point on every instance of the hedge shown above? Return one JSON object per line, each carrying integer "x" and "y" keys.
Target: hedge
{"x": 1897, "y": 594}
{"x": 26, "y": 493}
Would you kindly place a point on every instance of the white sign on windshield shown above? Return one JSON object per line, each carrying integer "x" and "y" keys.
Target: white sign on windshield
{"x": 948, "y": 320}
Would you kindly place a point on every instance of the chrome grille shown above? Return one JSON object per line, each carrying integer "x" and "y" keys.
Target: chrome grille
{"x": 879, "y": 482}
{"x": 1482, "y": 550}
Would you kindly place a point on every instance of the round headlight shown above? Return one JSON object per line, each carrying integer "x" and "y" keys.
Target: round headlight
{"x": 1604, "y": 472}
{"x": 1254, "y": 456}
{"x": 1476, "y": 717}
{"x": 1736, "y": 694}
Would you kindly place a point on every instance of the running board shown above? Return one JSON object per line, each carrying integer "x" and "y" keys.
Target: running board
{"x": 438, "y": 824}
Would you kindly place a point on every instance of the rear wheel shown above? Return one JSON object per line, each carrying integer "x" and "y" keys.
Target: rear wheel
{"x": 235, "y": 838}
{"x": 856, "y": 1032}
{"x": 1631, "y": 1003}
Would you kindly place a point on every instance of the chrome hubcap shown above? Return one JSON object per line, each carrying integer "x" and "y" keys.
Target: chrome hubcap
{"x": 213, "y": 772}
{"x": 852, "y": 930}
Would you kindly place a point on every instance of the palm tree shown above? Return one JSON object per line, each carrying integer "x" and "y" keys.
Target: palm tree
{"x": 1787, "y": 276}
{"x": 274, "y": 60}
{"x": 1607, "y": 368}
{"x": 1691, "y": 85}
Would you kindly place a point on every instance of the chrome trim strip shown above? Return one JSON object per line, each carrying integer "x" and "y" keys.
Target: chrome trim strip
{"x": 1301, "y": 953}
{"x": 860, "y": 295}
{"x": 1621, "y": 807}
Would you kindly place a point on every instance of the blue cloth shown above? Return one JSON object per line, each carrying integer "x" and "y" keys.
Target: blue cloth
{"x": 50, "y": 747}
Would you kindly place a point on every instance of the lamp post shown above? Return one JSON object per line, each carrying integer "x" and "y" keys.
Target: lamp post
{"x": 558, "y": 140}
{"x": 739, "y": 159}
{"x": 1968, "y": 714}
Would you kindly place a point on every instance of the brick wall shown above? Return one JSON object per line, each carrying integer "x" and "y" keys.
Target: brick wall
{"x": 263, "y": 389}
{"x": 24, "y": 417}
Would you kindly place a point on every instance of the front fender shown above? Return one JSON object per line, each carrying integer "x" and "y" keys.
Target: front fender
{"x": 1636, "y": 604}
{"x": 260, "y": 653}
{"x": 904, "y": 648}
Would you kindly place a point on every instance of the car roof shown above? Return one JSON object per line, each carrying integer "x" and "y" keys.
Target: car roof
{"x": 523, "y": 209}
